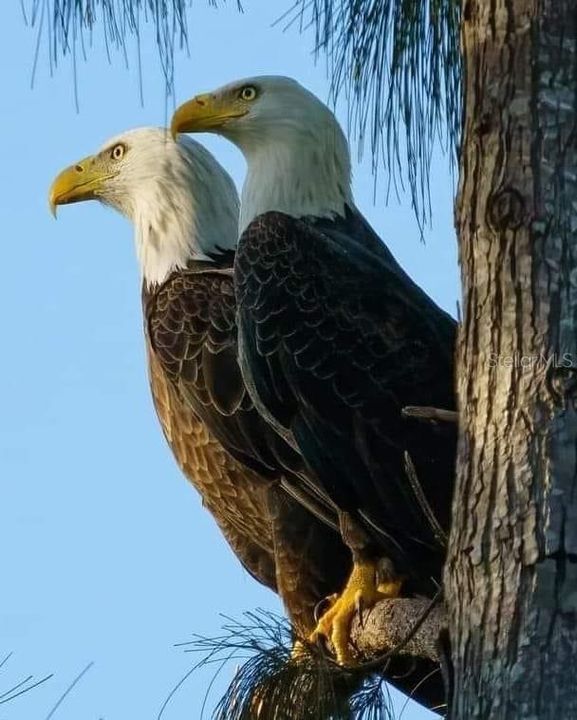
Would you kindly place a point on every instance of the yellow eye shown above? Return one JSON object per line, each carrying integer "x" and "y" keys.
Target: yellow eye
{"x": 248, "y": 92}
{"x": 117, "y": 151}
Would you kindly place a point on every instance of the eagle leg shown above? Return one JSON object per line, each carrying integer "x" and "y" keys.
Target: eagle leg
{"x": 365, "y": 587}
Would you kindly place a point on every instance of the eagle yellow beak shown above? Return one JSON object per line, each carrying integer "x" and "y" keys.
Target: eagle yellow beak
{"x": 205, "y": 113}
{"x": 82, "y": 181}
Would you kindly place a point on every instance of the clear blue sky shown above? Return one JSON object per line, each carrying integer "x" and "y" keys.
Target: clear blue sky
{"x": 107, "y": 555}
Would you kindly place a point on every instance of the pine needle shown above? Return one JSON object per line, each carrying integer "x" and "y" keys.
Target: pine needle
{"x": 398, "y": 65}
{"x": 271, "y": 684}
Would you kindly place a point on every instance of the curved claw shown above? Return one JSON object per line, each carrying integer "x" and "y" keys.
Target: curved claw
{"x": 361, "y": 593}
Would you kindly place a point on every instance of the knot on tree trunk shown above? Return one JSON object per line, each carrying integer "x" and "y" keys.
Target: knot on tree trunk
{"x": 506, "y": 209}
{"x": 562, "y": 378}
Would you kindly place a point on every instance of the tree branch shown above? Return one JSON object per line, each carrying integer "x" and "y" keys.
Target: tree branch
{"x": 422, "y": 412}
{"x": 385, "y": 627}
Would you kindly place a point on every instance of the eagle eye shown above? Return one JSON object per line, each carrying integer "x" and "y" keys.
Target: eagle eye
{"x": 248, "y": 92}
{"x": 118, "y": 151}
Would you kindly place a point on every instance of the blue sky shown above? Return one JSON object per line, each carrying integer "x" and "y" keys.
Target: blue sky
{"x": 107, "y": 555}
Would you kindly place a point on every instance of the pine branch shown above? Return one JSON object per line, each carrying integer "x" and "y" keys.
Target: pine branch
{"x": 69, "y": 27}
{"x": 398, "y": 65}
{"x": 424, "y": 412}
{"x": 277, "y": 680}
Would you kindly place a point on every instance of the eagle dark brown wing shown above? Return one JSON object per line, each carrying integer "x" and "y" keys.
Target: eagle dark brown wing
{"x": 234, "y": 495}
{"x": 335, "y": 340}
{"x": 191, "y": 322}
{"x": 191, "y": 327}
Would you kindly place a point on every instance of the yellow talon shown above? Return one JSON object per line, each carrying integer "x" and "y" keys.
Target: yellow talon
{"x": 361, "y": 592}
{"x": 299, "y": 651}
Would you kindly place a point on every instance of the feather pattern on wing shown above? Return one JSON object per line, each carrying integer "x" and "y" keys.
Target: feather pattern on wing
{"x": 234, "y": 495}
{"x": 211, "y": 424}
{"x": 335, "y": 341}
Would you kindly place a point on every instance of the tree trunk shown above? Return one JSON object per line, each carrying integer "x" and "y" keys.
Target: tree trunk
{"x": 511, "y": 575}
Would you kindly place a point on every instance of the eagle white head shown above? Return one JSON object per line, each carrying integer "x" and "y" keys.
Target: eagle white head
{"x": 182, "y": 203}
{"x": 298, "y": 157}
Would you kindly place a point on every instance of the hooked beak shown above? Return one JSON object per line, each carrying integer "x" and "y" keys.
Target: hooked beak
{"x": 204, "y": 113}
{"x": 83, "y": 181}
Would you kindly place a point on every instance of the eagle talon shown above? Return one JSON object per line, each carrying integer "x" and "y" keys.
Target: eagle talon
{"x": 362, "y": 591}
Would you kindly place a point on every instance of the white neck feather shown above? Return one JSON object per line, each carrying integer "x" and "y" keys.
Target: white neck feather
{"x": 301, "y": 173}
{"x": 183, "y": 204}
{"x": 183, "y": 221}
{"x": 171, "y": 229}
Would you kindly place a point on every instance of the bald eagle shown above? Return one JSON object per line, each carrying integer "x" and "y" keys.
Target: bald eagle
{"x": 184, "y": 208}
{"x": 335, "y": 339}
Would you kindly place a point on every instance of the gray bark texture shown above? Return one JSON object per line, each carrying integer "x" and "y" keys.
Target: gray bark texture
{"x": 511, "y": 575}
{"x": 389, "y": 627}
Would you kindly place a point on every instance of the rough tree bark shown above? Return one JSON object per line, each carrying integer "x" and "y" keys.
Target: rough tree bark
{"x": 405, "y": 627}
{"x": 511, "y": 576}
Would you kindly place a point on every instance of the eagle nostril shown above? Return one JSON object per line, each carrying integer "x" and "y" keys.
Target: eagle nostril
{"x": 79, "y": 168}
